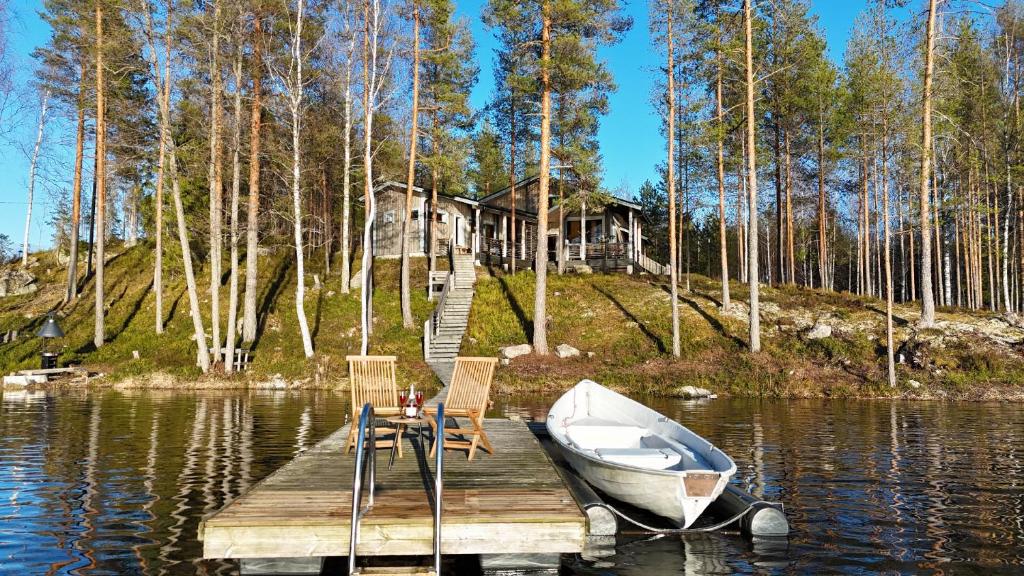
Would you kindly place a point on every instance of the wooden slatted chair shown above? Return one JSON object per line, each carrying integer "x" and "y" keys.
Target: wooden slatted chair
{"x": 372, "y": 379}
{"x": 467, "y": 398}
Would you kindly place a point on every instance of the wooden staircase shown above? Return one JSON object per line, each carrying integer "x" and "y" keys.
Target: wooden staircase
{"x": 443, "y": 333}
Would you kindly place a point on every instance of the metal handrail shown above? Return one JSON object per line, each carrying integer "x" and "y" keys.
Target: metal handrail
{"x": 438, "y": 486}
{"x": 366, "y": 418}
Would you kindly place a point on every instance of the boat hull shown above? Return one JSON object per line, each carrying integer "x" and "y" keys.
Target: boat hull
{"x": 678, "y": 495}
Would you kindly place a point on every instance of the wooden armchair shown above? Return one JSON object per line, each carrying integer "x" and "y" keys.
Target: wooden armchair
{"x": 372, "y": 379}
{"x": 467, "y": 398}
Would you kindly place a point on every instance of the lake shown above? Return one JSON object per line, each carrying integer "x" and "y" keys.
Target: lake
{"x": 111, "y": 482}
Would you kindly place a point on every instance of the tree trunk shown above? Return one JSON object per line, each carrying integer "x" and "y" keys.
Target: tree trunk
{"x": 512, "y": 177}
{"x": 780, "y": 231}
{"x": 670, "y": 183}
{"x": 540, "y": 328}
{"x": 790, "y": 249}
{"x": 723, "y": 248}
{"x": 755, "y": 319}
{"x": 32, "y": 174}
{"x": 927, "y": 296}
{"x": 100, "y": 196}
{"x": 295, "y": 95}
{"x": 346, "y": 208}
{"x": 186, "y": 257}
{"x": 407, "y": 320}
{"x": 822, "y": 248}
{"x": 165, "y": 98}
{"x": 215, "y": 177}
{"x": 76, "y": 193}
{"x": 236, "y": 180}
{"x": 891, "y": 363}
{"x": 252, "y": 224}
{"x": 369, "y": 93}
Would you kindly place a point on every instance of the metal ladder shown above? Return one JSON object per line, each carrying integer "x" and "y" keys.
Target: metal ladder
{"x": 366, "y": 419}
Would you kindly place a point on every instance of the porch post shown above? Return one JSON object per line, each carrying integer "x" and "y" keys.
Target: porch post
{"x": 632, "y": 239}
{"x": 522, "y": 240}
{"x": 504, "y": 237}
{"x": 583, "y": 231}
{"x": 476, "y": 232}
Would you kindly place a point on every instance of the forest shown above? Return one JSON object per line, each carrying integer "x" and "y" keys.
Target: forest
{"x": 214, "y": 131}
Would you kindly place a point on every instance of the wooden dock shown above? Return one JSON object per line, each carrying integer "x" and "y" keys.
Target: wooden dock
{"x": 512, "y": 502}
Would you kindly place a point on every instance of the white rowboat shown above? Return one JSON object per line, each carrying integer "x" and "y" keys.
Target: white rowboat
{"x": 636, "y": 455}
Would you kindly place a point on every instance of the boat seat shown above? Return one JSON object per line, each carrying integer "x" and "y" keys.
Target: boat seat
{"x": 591, "y": 433}
{"x": 650, "y": 458}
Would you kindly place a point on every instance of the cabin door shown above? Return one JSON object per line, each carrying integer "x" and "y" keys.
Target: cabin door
{"x": 460, "y": 234}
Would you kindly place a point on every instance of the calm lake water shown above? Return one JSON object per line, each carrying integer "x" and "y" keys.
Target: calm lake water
{"x": 116, "y": 483}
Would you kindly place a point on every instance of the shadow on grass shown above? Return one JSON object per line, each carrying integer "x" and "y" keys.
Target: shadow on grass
{"x": 525, "y": 323}
{"x": 897, "y": 320}
{"x": 136, "y": 306}
{"x": 267, "y": 303}
{"x": 643, "y": 327}
{"x": 319, "y": 314}
{"x": 711, "y": 320}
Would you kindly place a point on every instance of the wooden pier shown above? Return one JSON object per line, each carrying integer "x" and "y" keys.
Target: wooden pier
{"x": 511, "y": 502}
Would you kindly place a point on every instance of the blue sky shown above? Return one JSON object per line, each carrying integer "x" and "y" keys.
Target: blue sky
{"x": 629, "y": 135}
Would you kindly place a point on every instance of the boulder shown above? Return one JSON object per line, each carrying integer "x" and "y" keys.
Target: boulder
{"x": 819, "y": 331}
{"x": 15, "y": 282}
{"x": 692, "y": 392}
{"x": 914, "y": 383}
{"x": 510, "y": 352}
{"x": 579, "y": 268}
{"x": 566, "y": 351}
{"x": 356, "y": 283}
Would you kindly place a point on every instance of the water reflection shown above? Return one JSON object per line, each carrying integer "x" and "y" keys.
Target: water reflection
{"x": 118, "y": 482}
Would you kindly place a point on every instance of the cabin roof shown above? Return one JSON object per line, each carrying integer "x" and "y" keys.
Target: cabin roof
{"x": 418, "y": 191}
{"x": 531, "y": 179}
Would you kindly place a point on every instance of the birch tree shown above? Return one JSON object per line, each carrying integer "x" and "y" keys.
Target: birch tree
{"x": 100, "y": 196}
{"x": 927, "y": 295}
{"x": 751, "y": 157}
{"x": 43, "y": 104}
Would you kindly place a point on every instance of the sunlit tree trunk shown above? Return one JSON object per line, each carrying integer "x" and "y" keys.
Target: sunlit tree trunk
{"x": 670, "y": 180}
{"x": 755, "y": 319}
{"x": 45, "y": 102}
{"x": 252, "y": 224}
{"x": 723, "y": 247}
{"x": 100, "y": 196}
{"x": 76, "y": 192}
{"x": 927, "y": 295}
{"x": 346, "y": 208}
{"x": 236, "y": 178}
{"x": 540, "y": 329}
{"x": 407, "y": 320}
{"x": 295, "y": 90}
{"x": 215, "y": 177}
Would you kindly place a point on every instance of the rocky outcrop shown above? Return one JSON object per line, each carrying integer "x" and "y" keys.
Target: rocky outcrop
{"x": 15, "y": 282}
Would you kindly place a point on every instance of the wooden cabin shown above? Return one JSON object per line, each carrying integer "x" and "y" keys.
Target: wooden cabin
{"x": 607, "y": 237}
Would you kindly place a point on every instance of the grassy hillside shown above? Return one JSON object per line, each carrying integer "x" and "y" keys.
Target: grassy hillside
{"x": 621, "y": 323}
{"x": 333, "y": 321}
{"x": 625, "y": 324}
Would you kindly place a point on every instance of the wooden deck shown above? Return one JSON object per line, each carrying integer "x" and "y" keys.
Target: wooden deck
{"x": 509, "y": 502}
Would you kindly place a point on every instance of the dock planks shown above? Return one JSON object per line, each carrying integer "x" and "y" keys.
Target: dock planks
{"x": 509, "y": 502}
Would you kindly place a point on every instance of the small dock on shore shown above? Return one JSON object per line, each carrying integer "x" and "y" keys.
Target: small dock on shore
{"x": 509, "y": 502}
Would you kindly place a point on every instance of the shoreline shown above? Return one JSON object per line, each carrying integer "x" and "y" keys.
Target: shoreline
{"x": 163, "y": 381}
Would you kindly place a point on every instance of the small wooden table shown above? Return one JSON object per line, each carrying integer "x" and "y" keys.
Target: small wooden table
{"x": 401, "y": 422}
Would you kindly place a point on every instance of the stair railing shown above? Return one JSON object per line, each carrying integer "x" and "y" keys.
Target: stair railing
{"x": 366, "y": 418}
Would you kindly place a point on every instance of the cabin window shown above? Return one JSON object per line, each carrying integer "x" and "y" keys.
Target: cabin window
{"x": 415, "y": 214}
{"x": 389, "y": 217}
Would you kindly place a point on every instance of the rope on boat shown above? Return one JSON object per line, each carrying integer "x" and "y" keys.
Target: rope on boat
{"x": 654, "y": 530}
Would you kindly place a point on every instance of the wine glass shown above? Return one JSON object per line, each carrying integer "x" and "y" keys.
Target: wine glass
{"x": 403, "y": 397}
{"x": 419, "y": 398}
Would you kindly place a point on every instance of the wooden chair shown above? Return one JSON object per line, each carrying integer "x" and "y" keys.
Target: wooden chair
{"x": 372, "y": 379}
{"x": 467, "y": 398}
